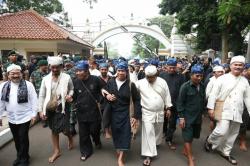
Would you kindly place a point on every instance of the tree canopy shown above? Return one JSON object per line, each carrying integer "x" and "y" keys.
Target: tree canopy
{"x": 213, "y": 19}
{"x": 45, "y": 7}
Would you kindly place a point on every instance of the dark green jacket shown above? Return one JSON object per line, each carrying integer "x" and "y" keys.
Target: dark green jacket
{"x": 191, "y": 102}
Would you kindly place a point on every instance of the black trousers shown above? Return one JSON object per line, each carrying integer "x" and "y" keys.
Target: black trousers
{"x": 245, "y": 122}
{"x": 169, "y": 126}
{"x": 86, "y": 131}
{"x": 20, "y": 134}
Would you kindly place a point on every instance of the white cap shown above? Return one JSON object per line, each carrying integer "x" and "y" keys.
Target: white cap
{"x": 55, "y": 60}
{"x": 142, "y": 61}
{"x": 131, "y": 61}
{"x": 13, "y": 67}
{"x": 218, "y": 68}
{"x": 239, "y": 59}
{"x": 150, "y": 70}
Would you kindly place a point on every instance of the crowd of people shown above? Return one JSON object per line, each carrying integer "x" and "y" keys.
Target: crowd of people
{"x": 119, "y": 97}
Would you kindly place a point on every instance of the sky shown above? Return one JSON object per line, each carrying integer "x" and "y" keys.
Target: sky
{"x": 121, "y": 10}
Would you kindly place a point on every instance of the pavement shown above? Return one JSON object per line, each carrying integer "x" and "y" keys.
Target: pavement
{"x": 41, "y": 149}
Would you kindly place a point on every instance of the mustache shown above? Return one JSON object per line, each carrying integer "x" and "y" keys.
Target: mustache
{"x": 238, "y": 69}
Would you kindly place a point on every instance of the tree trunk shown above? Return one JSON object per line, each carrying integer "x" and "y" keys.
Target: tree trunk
{"x": 224, "y": 45}
{"x": 248, "y": 49}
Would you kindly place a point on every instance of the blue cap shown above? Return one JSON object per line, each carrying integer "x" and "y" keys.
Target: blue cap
{"x": 171, "y": 62}
{"x": 247, "y": 65}
{"x": 122, "y": 59}
{"x": 122, "y": 66}
{"x": 103, "y": 65}
{"x": 225, "y": 65}
{"x": 197, "y": 69}
{"x": 154, "y": 62}
{"x": 82, "y": 65}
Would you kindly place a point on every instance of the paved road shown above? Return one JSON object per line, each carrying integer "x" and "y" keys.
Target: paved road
{"x": 40, "y": 149}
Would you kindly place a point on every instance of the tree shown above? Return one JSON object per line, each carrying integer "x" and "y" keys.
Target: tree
{"x": 45, "y": 7}
{"x": 165, "y": 23}
{"x": 208, "y": 16}
{"x": 234, "y": 15}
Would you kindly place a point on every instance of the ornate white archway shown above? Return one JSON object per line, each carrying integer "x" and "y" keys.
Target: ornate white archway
{"x": 154, "y": 32}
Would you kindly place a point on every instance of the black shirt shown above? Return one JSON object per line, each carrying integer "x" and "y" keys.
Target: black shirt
{"x": 85, "y": 103}
{"x": 174, "y": 82}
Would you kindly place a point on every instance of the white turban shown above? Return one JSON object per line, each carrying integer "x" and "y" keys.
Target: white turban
{"x": 239, "y": 59}
{"x": 13, "y": 67}
{"x": 150, "y": 70}
{"x": 55, "y": 60}
{"x": 218, "y": 68}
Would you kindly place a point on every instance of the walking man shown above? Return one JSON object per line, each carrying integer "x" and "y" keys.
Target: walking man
{"x": 86, "y": 97}
{"x": 19, "y": 99}
{"x": 54, "y": 97}
{"x": 190, "y": 105}
{"x": 234, "y": 90}
{"x": 156, "y": 103}
{"x": 174, "y": 81}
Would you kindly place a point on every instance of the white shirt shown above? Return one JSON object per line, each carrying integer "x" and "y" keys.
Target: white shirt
{"x": 234, "y": 102}
{"x": 119, "y": 83}
{"x": 19, "y": 113}
{"x": 210, "y": 86}
{"x": 133, "y": 77}
{"x": 154, "y": 97}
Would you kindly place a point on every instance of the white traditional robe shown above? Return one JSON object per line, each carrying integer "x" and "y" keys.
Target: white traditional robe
{"x": 154, "y": 97}
{"x": 227, "y": 129}
{"x": 133, "y": 77}
{"x": 65, "y": 87}
{"x": 234, "y": 103}
{"x": 210, "y": 86}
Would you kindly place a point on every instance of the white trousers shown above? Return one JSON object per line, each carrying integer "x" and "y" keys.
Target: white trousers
{"x": 223, "y": 136}
{"x": 151, "y": 136}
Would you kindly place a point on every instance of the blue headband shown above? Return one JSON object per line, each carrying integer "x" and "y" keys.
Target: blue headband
{"x": 247, "y": 65}
{"x": 122, "y": 66}
{"x": 103, "y": 65}
{"x": 154, "y": 62}
{"x": 197, "y": 69}
{"x": 82, "y": 65}
{"x": 171, "y": 62}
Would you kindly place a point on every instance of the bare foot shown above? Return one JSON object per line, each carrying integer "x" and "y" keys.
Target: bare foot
{"x": 120, "y": 163}
{"x": 54, "y": 157}
{"x": 108, "y": 135}
{"x": 190, "y": 163}
{"x": 243, "y": 147}
{"x": 70, "y": 143}
{"x": 185, "y": 154}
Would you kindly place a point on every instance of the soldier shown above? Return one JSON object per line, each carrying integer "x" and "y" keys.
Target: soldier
{"x": 12, "y": 59}
{"x": 70, "y": 70}
{"x": 36, "y": 76}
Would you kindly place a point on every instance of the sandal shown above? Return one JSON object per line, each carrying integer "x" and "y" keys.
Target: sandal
{"x": 171, "y": 145}
{"x": 83, "y": 157}
{"x": 147, "y": 161}
{"x": 230, "y": 159}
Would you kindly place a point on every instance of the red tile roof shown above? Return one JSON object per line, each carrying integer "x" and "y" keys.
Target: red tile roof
{"x": 31, "y": 25}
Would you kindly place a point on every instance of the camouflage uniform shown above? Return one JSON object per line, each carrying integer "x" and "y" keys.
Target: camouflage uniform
{"x": 36, "y": 78}
{"x": 73, "y": 120}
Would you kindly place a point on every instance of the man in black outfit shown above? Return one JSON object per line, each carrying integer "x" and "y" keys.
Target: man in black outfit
{"x": 174, "y": 81}
{"x": 87, "y": 90}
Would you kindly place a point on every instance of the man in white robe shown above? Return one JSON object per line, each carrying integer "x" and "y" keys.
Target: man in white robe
{"x": 155, "y": 100}
{"x": 234, "y": 90}
{"x": 217, "y": 72}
